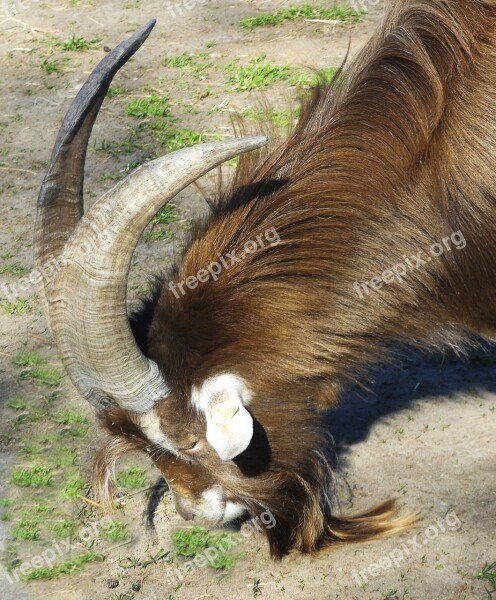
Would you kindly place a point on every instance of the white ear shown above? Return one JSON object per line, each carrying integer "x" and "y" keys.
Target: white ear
{"x": 222, "y": 400}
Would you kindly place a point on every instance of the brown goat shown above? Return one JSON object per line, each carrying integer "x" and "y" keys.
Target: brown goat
{"x": 397, "y": 154}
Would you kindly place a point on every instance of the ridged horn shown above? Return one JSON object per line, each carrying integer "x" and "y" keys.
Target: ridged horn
{"x": 88, "y": 257}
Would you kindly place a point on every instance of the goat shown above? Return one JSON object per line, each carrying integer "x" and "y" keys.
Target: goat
{"x": 223, "y": 385}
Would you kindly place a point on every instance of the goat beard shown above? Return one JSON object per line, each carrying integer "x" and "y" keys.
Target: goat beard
{"x": 303, "y": 514}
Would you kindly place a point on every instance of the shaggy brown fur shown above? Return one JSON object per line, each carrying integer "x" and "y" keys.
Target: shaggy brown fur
{"x": 397, "y": 153}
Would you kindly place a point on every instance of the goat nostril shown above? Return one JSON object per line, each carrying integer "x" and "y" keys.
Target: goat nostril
{"x": 186, "y": 514}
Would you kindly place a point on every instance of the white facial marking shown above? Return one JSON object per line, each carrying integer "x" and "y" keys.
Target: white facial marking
{"x": 233, "y": 510}
{"x": 150, "y": 425}
{"x": 213, "y": 508}
{"x": 222, "y": 399}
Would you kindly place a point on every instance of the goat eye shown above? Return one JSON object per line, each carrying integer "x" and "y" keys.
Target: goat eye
{"x": 190, "y": 447}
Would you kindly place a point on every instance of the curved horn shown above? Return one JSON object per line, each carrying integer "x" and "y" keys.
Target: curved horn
{"x": 60, "y": 202}
{"x": 86, "y": 297}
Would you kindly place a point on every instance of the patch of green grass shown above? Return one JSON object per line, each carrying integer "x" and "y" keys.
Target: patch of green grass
{"x": 187, "y": 63}
{"x": 43, "y": 375}
{"x": 115, "y": 532}
{"x": 131, "y": 478}
{"x": 18, "y": 307}
{"x": 42, "y": 509}
{"x": 74, "y": 487}
{"x": 50, "y": 66}
{"x": 77, "y": 43}
{"x": 195, "y": 540}
{"x": 256, "y": 75}
{"x": 152, "y": 106}
{"x": 305, "y": 80}
{"x": 13, "y": 268}
{"x": 280, "y": 118}
{"x": 115, "y": 90}
{"x": 166, "y": 215}
{"x": 62, "y": 456}
{"x": 6, "y": 516}
{"x": 26, "y": 529}
{"x": 51, "y": 397}
{"x": 17, "y": 403}
{"x": 27, "y": 417}
{"x": 36, "y": 476}
{"x": 77, "y": 432}
{"x": 5, "y": 502}
{"x": 175, "y": 139}
{"x": 488, "y": 573}
{"x": 27, "y": 359}
{"x": 31, "y": 450}
{"x": 67, "y": 567}
{"x": 223, "y": 562}
{"x": 192, "y": 541}
{"x": 304, "y": 11}
{"x": 63, "y": 529}
{"x": 154, "y": 235}
{"x": 69, "y": 416}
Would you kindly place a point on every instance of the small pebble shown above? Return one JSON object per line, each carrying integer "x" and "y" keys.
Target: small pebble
{"x": 136, "y": 586}
{"x": 112, "y": 583}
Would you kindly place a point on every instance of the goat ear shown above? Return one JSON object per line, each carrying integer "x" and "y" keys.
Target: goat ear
{"x": 222, "y": 400}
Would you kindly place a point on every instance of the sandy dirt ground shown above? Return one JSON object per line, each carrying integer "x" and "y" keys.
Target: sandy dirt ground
{"x": 425, "y": 433}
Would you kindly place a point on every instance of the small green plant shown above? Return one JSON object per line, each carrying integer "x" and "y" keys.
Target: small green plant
{"x": 69, "y": 416}
{"x": 115, "y": 90}
{"x": 174, "y": 139}
{"x": 488, "y": 573}
{"x": 305, "y": 80}
{"x": 223, "y": 562}
{"x": 50, "y": 66}
{"x": 31, "y": 450}
{"x": 258, "y": 74}
{"x": 18, "y": 307}
{"x": 304, "y": 11}
{"x": 152, "y": 106}
{"x": 27, "y": 417}
{"x": 26, "y": 529}
{"x": 166, "y": 215}
{"x": 77, "y": 43}
{"x": 27, "y": 359}
{"x": 73, "y": 487}
{"x": 63, "y": 529}
{"x": 71, "y": 565}
{"x": 43, "y": 375}
{"x": 192, "y": 541}
{"x": 154, "y": 235}
{"x": 5, "y": 502}
{"x": 42, "y": 509}
{"x": 115, "y": 532}
{"x": 131, "y": 478}
{"x": 37, "y": 476}
{"x": 280, "y": 118}
{"x": 195, "y": 540}
{"x": 62, "y": 456}
{"x": 77, "y": 432}
{"x": 13, "y": 268}
{"x": 17, "y": 403}
{"x": 187, "y": 63}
